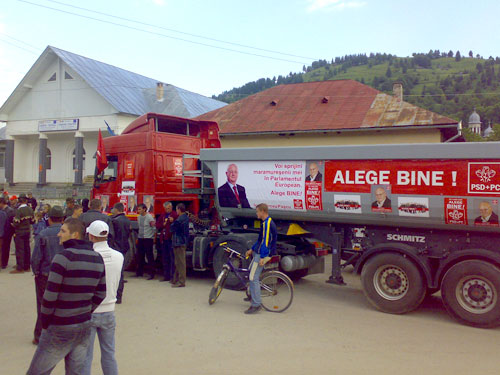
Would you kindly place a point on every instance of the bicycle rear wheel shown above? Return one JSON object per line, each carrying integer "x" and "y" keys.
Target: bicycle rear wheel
{"x": 218, "y": 286}
{"x": 276, "y": 290}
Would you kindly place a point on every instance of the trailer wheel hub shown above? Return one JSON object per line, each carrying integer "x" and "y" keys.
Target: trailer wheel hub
{"x": 476, "y": 295}
{"x": 391, "y": 282}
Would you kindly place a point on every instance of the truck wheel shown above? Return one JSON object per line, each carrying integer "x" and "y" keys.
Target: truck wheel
{"x": 393, "y": 283}
{"x": 220, "y": 258}
{"x": 298, "y": 274}
{"x": 470, "y": 292}
{"x": 129, "y": 261}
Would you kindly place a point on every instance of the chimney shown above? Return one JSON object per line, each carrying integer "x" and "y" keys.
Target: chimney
{"x": 159, "y": 91}
{"x": 397, "y": 90}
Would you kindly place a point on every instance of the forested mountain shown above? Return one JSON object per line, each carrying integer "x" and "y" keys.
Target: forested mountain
{"x": 444, "y": 82}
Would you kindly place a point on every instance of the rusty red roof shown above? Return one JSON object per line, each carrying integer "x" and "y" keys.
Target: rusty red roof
{"x": 316, "y": 106}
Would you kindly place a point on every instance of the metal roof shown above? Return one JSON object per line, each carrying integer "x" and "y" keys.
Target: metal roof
{"x": 320, "y": 106}
{"x": 127, "y": 92}
{"x": 130, "y": 92}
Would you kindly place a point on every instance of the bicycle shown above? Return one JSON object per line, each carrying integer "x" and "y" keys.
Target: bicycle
{"x": 276, "y": 287}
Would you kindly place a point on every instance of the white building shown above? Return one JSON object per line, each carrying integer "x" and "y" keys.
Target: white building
{"x": 56, "y": 111}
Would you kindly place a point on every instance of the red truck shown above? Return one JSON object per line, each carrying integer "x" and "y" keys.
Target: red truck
{"x": 411, "y": 219}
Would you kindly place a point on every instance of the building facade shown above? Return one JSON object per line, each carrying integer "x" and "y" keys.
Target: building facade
{"x": 341, "y": 112}
{"x": 54, "y": 115}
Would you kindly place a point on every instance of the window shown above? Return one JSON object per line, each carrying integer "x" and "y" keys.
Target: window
{"x": 74, "y": 160}
{"x": 2, "y": 159}
{"x": 53, "y": 77}
{"x": 111, "y": 172}
{"x": 67, "y": 75}
{"x": 48, "y": 159}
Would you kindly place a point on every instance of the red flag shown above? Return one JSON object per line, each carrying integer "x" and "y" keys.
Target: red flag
{"x": 102, "y": 160}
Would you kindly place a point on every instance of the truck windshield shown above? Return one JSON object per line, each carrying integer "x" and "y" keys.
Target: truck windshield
{"x": 111, "y": 172}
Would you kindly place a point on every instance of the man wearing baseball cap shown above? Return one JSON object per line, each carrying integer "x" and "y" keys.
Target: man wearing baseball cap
{"x": 103, "y": 318}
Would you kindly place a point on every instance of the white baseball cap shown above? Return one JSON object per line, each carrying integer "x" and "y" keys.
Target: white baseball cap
{"x": 98, "y": 228}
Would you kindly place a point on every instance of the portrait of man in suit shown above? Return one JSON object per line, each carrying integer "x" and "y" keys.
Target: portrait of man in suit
{"x": 132, "y": 204}
{"x": 382, "y": 203}
{"x": 231, "y": 194}
{"x": 487, "y": 216}
{"x": 314, "y": 173}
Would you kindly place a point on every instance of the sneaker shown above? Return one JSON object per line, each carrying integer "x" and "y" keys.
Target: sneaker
{"x": 16, "y": 271}
{"x": 253, "y": 310}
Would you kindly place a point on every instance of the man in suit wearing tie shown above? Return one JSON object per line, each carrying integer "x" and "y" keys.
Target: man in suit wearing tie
{"x": 231, "y": 194}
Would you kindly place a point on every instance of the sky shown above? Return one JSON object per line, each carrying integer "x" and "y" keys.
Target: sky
{"x": 211, "y": 46}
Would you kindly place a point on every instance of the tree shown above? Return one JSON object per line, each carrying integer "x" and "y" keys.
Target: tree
{"x": 458, "y": 57}
{"x": 388, "y": 73}
{"x": 471, "y": 54}
{"x": 450, "y": 54}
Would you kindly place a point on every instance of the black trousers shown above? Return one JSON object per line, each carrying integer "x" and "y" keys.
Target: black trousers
{"x": 40, "y": 285}
{"x": 7, "y": 238}
{"x": 145, "y": 248}
{"x": 168, "y": 259}
{"x": 23, "y": 251}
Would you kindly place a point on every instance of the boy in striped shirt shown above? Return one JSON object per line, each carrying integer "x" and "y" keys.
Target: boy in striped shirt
{"x": 76, "y": 286}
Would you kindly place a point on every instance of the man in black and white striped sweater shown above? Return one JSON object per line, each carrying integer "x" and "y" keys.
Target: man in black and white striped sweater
{"x": 76, "y": 286}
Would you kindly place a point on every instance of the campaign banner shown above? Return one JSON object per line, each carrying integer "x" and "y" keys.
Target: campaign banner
{"x": 413, "y": 206}
{"x": 129, "y": 169}
{"x": 245, "y": 184}
{"x": 314, "y": 199}
{"x": 484, "y": 178}
{"x": 455, "y": 211}
{"x": 415, "y": 177}
{"x": 178, "y": 166}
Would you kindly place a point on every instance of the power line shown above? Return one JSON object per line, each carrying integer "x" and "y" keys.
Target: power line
{"x": 179, "y": 31}
{"x": 20, "y": 41}
{"x": 160, "y": 34}
{"x": 18, "y": 46}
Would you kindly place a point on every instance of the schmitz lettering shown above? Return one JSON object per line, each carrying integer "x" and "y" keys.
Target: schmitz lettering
{"x": 405, "y": 238}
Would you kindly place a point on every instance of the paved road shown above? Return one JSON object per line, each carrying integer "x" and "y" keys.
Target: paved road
{"x": 327, "y": 330}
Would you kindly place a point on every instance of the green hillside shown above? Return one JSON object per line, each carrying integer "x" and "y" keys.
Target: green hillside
{"x": 445, "y": 83}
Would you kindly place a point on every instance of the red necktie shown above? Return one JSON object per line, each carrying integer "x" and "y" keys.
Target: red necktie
{"x": 236, "y": 193}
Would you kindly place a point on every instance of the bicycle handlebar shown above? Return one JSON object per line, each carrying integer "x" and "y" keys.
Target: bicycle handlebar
{"x": 232, "y": 251}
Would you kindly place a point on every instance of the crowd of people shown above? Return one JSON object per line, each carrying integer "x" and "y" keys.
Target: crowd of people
{"x": 78, "y": 263}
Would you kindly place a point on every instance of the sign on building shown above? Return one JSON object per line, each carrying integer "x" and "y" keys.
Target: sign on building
{"x": 58, "y": 125}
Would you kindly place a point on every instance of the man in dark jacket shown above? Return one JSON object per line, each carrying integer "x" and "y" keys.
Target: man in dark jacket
{"x": 122, "y": 228}
{"x": 8, "y": 230}
{"x": 22, "y": 226}
{"x": 32, "y": 201}
{"x": 69, "y": 301}
{"x": 180, "y": 239}
{"x": 46, "y": 247}
{"x": 165, "y": 238}
{"x": 93, "y": 214}
{"x": 3, "y": 222}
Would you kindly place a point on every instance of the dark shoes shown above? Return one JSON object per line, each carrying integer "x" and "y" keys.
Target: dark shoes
{"x": 177, "y": 285}
{"x": 164, "y": 280}
{"x": 247, "y": 299}
{"x": 151, "y": 277}
{"x": 17, "y": 271}
{"x": 253, "y": 310}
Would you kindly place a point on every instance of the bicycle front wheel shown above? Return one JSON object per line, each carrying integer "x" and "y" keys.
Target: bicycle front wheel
{"x": 276, "y": 290}
{"x": 218, "y": 286}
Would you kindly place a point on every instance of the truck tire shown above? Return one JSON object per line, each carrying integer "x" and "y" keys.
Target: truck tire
{"x": 393, "y": 283}
{"x": 220, "y": 258}
{"x": 470, "y": 291}
{"x": 129, "y": 261}
{"x": 298, "y": 274}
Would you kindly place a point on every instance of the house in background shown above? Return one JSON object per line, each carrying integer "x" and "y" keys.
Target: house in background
{"x": 338, "y": 112}
{"x": 54, "y": 115}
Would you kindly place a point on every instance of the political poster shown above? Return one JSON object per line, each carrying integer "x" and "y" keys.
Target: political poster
{"x": 347, "y": 204}
{"x": 413, "y": 206}
{"x": 455, "y": 211}
{"x": 281, "y": 185}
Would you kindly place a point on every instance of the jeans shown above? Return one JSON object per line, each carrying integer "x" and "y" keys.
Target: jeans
{"x": 7, "y": 239}
{"x": 254, "y": 277}
{"x": 40, "y": 284}
{"x": 180, "y": 265}
{"x": 145, "y": 247}
{"x": 104, "y": 325}
{"x": 23, "y": 251}
{"x": 57, "y": 342}
{"x": 168, "y": 260}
